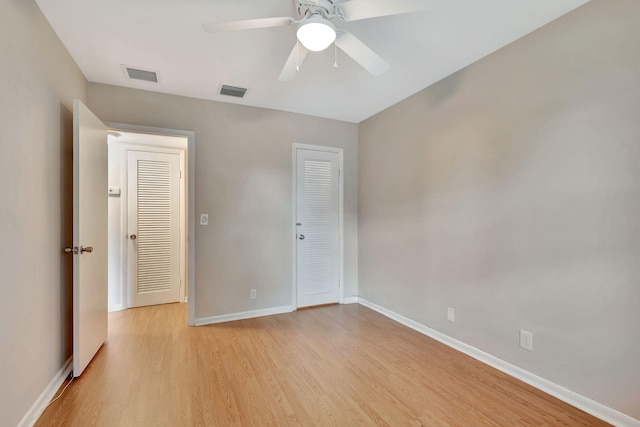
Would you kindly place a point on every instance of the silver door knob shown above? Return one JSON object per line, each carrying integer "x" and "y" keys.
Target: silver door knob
{"x": 71, "y": 251}
{"x": 301, "y": 237}
{"x": 133, "y": 237}
{"x": 84, "y": 249}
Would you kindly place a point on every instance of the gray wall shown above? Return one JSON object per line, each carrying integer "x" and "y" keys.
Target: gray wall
{"x": 509, "y": 191}
{"x": 38, "y": 80}
{"x": 243, "y": 181}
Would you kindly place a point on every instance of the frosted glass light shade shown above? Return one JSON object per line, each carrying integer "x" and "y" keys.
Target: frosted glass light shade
{"x": 316, "y": 33}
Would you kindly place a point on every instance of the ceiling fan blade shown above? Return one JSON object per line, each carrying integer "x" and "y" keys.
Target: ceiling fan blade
{"x": 248, "y": 24}
{"x": 354, "y": 10}
{"x": 361, "y": 53}
{"x": 296, "y": 58}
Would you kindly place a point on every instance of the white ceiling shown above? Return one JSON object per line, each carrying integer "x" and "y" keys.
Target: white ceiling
{"x": 166, "y": 36}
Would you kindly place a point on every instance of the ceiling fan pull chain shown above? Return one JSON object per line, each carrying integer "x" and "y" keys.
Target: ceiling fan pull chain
{"x": 335, "y": 54}
{"x": 297, "y": 57}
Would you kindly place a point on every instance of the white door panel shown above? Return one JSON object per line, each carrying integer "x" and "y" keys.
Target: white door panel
{"x": 90, "y": 303}
{"x": 154, "y": 228}
{"x": 318, "y": 227}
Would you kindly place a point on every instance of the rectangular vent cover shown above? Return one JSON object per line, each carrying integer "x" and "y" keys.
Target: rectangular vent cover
{"x": 147, "y": 76}
{"x": 238, "y": 92}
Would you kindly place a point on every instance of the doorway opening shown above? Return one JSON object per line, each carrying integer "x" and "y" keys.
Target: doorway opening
{"x": 150, "y": 204}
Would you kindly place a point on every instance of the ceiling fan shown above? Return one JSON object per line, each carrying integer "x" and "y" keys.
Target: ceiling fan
{"x": 316, "y": 31}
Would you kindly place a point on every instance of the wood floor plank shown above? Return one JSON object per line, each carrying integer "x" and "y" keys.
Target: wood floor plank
{"x": 328, "y": 366}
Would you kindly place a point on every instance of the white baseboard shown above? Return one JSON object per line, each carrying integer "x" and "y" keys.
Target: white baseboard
{"x": 350, "y": 300}
{"x": 115, "y": 307}
{"x": 45, "y": 397}
{"x": 244, "y": 315}
{"x": 589, "y": 406}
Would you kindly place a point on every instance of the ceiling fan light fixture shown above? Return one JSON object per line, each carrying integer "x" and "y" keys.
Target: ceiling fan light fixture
{"x": 316, "y": 33}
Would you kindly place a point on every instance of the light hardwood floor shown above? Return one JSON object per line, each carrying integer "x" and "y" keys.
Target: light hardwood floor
{"x": 335, "y": 365}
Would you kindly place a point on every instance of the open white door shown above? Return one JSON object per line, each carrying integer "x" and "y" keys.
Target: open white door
{"x": 89, "y": 236}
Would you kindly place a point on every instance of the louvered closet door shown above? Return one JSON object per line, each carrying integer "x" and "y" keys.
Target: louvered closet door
{"x": 318, "y": 232}
{"x": 154, "y": 228}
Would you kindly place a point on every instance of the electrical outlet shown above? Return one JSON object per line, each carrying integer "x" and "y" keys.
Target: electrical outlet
{"x": 451, "y": 315}
{"x": 253, "y": 294}
{"x": 526, "y": 340}
{"x": 204, "y": 219}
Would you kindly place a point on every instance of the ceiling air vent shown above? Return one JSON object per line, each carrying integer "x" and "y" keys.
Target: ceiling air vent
{"x": 144, "y": 75}
{"x": 238, "y": 92}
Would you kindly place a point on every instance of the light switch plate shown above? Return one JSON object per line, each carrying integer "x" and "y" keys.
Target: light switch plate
{"x": 204, "y": 219}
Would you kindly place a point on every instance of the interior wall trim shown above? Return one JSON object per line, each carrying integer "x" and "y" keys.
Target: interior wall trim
{"x": 256, "y": 313}
{"x": 115, "y": 307}
{"x": 45, "y": 397}
{"x": 244, "y": 315}
{"x": 589, "y": 406}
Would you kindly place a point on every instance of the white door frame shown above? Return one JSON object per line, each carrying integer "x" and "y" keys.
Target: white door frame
{"x": 190, "y": 202}
{"x": 294, "y": 245}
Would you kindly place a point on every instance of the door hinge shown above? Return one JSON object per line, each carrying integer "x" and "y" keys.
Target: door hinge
{"x": 180, "y": 174}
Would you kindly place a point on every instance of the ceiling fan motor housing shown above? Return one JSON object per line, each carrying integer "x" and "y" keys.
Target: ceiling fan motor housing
{"x": 324, "y": 8}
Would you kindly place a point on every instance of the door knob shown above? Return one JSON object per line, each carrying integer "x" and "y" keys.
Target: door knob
{"x": 84, "y": 249}
{"x": 133, "y": 237}
{"x": 301, "y": 237}
{"x": 71, "y": 251}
